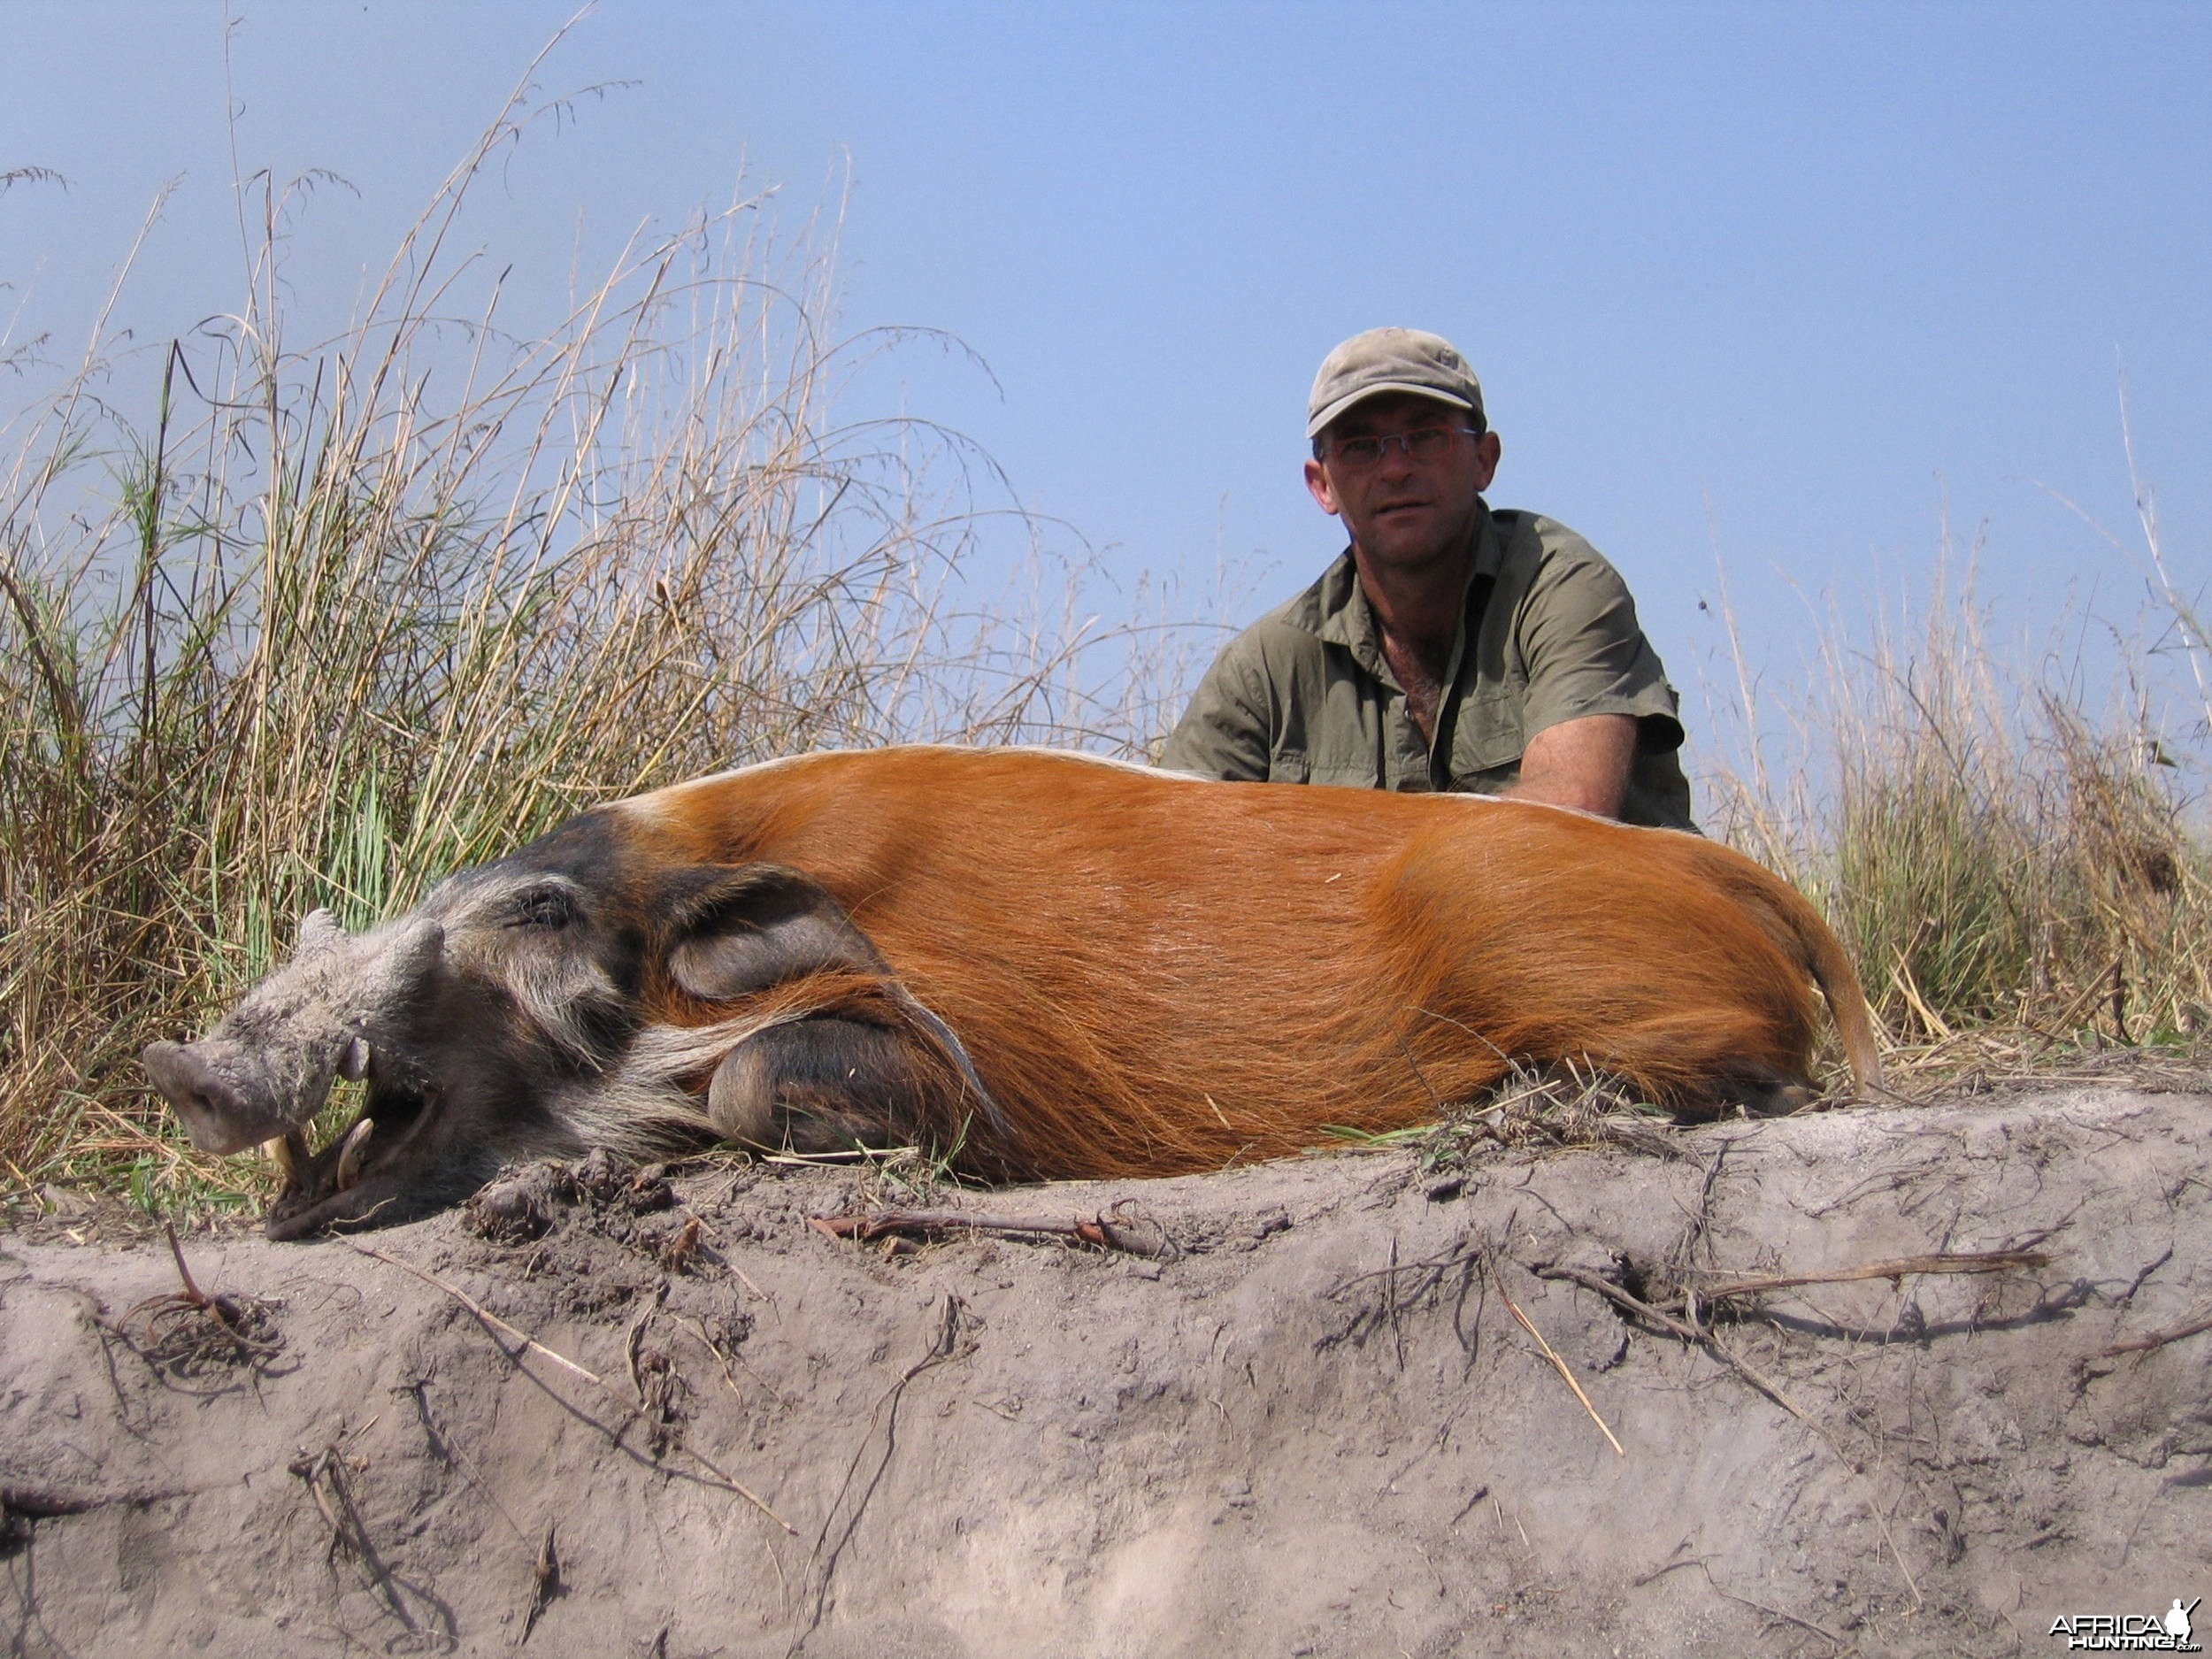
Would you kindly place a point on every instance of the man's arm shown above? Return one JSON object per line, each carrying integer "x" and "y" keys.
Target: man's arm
{"x": 1582, "y": 763}
{"x": 1600, "y": 715}
{"x": 1224, "y": 733}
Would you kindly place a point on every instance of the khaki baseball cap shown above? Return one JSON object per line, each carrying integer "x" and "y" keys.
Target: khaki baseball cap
{"x": 1391, "y": 360}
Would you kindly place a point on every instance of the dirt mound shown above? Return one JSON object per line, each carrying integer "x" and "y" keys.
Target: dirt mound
{"x": 1286, "y": 1409}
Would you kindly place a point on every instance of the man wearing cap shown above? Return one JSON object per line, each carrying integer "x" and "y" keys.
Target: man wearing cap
{"x": 1452, "y": 646}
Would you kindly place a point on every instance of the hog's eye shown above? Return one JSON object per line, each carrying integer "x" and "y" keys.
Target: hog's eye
{"x": 547, "y": 907}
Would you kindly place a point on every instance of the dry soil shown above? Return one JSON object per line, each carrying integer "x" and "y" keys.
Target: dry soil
{"x": 1297, "y": 1415}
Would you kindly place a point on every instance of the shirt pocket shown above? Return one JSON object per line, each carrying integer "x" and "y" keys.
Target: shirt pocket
{"x": 1489, "y": 734}
{"x": 1289, "y": 765}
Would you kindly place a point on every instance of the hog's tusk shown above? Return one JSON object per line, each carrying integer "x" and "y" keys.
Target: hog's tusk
{"x": 349, "y": 1153}
{"x": 353, "y": 1065}
{"x": 283, "y": 1153}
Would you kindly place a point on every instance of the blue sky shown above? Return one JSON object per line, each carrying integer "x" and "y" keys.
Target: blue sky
{"x": 1784, "y": 284}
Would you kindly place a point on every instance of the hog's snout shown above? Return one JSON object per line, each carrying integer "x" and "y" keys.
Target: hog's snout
{"x": 226, "y": 1103}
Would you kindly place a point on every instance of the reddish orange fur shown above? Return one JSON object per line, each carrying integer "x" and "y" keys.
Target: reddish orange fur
{"x": 1156, "y": 975}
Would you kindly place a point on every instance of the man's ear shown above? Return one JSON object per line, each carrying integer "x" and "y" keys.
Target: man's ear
{"x": 1317, "y": 481}
{"x": 740, "y": 928}
{"x": 1488, "y": 451}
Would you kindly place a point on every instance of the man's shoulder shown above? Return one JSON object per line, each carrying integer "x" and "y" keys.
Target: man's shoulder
{"x": 1531, "y": 539}
{"x": 1293, "y": 628}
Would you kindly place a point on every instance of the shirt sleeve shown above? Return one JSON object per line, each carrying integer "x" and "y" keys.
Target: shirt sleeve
{"x": 1585, "y": 653}
{"x": 1224, "y": 733}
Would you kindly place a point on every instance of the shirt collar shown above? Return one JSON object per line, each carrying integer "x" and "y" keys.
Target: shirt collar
{"x": 1334, "y": 610}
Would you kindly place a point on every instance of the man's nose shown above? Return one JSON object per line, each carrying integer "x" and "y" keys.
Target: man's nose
{"x": 1397, "y": 458}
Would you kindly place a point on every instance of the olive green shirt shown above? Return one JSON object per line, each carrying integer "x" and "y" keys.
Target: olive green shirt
{"x": 1305, "y": 695}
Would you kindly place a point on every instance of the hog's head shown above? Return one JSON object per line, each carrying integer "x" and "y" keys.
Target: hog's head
{"x": 573, "y": 993}
{"x": 343, "y": 1007}
{"x": 470, "y": 1020}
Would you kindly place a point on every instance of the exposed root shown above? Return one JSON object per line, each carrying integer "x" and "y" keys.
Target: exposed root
{"x": 949, "y": 1342}
{"x": 187, "y": 1334}
{"x": 1409, "y": 1285}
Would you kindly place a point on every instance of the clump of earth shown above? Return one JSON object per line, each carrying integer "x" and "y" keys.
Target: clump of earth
{"x": 1541, "y": 1402}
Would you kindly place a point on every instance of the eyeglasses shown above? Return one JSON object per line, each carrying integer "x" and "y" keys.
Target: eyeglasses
{"x": 1425, "y": 444}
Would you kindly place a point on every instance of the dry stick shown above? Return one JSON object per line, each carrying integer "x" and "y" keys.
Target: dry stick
{"x": 743, "y": 1277}
{"x": 699, "y": 1330}
{"x": 483, "y": 1313}
{"x": 346, "y": 1526}
{"x": 1097, "y": 1229}
{"x": 545, "y": 1582}
{"x": 2159, "y": 1339}
{"x": 1561, "y": 1365}
{"x": 570, "y": 1365}
{"x": 1695, "y": 1334}
{"x": 1965, "y": 1262}
{"x": 1761, "y": 1607}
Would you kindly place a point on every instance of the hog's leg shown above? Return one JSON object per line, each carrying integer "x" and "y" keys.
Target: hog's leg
{"x": 827, "y": 1084}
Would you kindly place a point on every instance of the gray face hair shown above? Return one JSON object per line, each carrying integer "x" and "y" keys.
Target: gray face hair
{"x": 560, "y": 991}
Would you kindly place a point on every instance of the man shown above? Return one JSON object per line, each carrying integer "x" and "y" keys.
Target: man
{"x": 1451, "y": 646}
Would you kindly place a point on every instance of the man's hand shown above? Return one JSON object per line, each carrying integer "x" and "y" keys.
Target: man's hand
{"x": 1582, "y": 764}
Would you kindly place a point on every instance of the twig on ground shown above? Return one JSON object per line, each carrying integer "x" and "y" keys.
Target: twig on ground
{"x": 492, "y": 1321}
{"x": 481, "y": 1312}
{"x": 699, "y": 1330}
{"x": 1113, "y": 1235}
{"x": 1694, "y": 1333}
{"x": 1659, "y": 1572}
{"x": 451, "y": 1451}
{"x": 945, "y": 1344}
{"x": 2190, "y": 1326}
{"x": 1743, "y": 1368}
{"x": 1958, "y": 1262}
{"x": 324, "y": 1472}
{"x": 1560, "y": 1365}
{"x": 743, "y": 1277}
{"x": 1771, "y": 1612}
{"x": 545, "y": 1583}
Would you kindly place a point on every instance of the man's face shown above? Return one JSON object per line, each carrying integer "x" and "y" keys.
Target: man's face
{"x": 1404, "y": 513}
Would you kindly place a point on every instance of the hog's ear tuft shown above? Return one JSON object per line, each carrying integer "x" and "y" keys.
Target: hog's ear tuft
{"x": 740, "y": 928}
{"x": 406, "y": 963}
{"x": 320, "y": 930}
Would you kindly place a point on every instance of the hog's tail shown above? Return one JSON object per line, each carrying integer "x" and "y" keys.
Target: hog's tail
{"x": 1789, "y": 920}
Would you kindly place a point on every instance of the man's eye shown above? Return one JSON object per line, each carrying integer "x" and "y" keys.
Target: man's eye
{"x": 1428, "y": 442}
{"x": 1360, "y": 451}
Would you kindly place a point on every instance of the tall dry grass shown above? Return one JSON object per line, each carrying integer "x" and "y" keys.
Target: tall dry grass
{"x": 335, "y": 616}
{"x": 2006, "y": 857}
{"x": 339, "y": 616}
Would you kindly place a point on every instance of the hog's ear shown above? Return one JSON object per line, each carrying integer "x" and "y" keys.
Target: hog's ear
{"x": 405, "y": 964}
{"x": 318, "y": 932}
{"x": 740, "y": 928}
